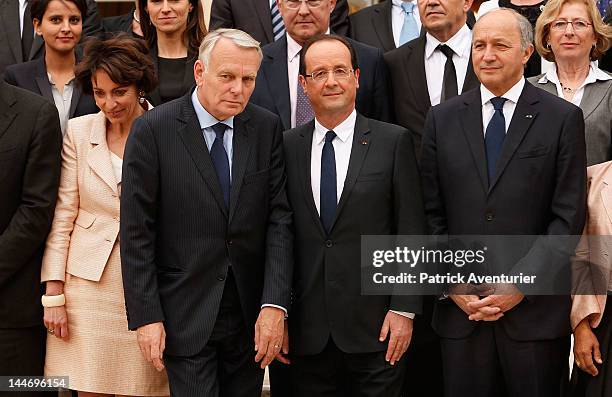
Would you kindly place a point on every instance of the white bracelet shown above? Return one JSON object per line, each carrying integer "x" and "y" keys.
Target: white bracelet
{"x": 53, "y": 300}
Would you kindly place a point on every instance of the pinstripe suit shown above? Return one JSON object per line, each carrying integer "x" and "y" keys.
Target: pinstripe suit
{"x": 178, "y": 238}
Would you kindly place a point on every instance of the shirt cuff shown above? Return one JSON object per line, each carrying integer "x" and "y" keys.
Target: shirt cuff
{"x": 405, "y": 314}
{"x": 276, "y": 306}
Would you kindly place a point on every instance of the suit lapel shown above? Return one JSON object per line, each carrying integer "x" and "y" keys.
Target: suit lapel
{"x": 42, "y": 79}
{"x": 76, "y": 97}
{"x": 471, "y": 121}
{"x": 304, "y": 156}
{"x": 593, "y": 95}
{"x": 264, "y": 12}
{"x": 193, "y": 140}
{"x": 524, "y": 114}
{"x": 381, "y": 20}
{"x": 9, "y": 13}
{"x": 155, "y": 96}
{"x": 275, "y": 70}
{"x": 37, "y": 46}
{"x": 359, "y": 149}
{"x": 242, "y": 143}
{"x": 7, "y": 114}
{"x": 99, "y": 156}
{"x": 415, "y": 63}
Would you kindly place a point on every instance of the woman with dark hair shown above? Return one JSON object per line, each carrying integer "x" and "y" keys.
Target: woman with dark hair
{"x": 174, "y": 30}
{"x": 60, "y": 24}
{"x": 84, "y": 312}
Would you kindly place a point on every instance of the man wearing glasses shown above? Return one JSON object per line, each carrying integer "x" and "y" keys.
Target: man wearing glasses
{"x": 277, "y": 87}
{"x": 347, "y": 176}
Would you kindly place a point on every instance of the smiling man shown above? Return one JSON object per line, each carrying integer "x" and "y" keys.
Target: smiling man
{"x": 205, "y": 228}
{"x": 347, "y": 176}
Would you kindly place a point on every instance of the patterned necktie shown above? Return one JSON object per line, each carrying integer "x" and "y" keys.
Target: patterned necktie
{"x": 303, "y": 110}
{"x": 221, "y": 161}
{"x": 27, "y": 33}
{"x": 410, "y": 29}
{"x": 495, "y": 135}
{"x": 449, "y": 81}
{"x": 278, "y": 26}
{"x": 328, "y": 196}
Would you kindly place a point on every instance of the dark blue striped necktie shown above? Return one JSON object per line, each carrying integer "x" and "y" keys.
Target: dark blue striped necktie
{"x": 278, "y": 25}
{"x": 329, "y": 198}
{"x": 495, "y": 135}
{"x": 221, "y": 161}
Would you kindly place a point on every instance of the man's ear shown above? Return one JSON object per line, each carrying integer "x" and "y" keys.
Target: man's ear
{"x": 302, "y": 81}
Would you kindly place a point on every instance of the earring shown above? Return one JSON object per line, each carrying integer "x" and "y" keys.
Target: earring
{"x": 141, "y": 97}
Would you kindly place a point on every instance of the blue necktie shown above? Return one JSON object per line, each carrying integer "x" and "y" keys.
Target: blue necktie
{"x": 410, "y": 30}
{"x": 303, "y": 109}
{"x": 278, "y": 26}
{"x": 220, "y": 161}
{"x": 494, "y": 136}
{"x": 328, "y": 182}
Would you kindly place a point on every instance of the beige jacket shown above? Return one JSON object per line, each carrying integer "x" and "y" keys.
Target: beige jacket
{"x": 84, "y": 234}
{"x": 592, "y": 265}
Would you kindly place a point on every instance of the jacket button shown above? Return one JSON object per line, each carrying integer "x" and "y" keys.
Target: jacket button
{"x": 489, "y": 216}
{"x": 329, "y": 243}
{"x": 230, "y": 242}
{"x": 221, "y": 277}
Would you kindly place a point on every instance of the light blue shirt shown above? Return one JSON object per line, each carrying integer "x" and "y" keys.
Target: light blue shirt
{"x": 207, "y": 120}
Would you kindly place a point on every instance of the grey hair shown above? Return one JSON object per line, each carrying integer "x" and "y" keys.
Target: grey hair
{"x": 524, "y": 26}
{"x": 238, "y": 37}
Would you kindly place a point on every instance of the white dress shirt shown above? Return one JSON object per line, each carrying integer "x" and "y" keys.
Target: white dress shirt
{"x": 595, "y": 74}
{"x": 22, "y": 9}
{"x": 397, "y": 18}
{"x": 293, "y": 71}
{"x": 62, "y": 100}
{"x": 512, "y": 96}
{"x": 461, "y": 44}
{"x": 342, "y": 144}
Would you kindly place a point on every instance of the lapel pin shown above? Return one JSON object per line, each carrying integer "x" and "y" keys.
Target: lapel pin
{"x": 364, "y": 142}
{"x": 529, "y": 116}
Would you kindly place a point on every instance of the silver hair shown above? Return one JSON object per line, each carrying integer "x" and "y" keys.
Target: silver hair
{"x": 524, "y": 26}
{"x": 238, "y": 37}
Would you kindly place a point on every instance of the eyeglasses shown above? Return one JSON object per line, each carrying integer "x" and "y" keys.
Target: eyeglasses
{"x": 578, "y": 25}
{"x": 339, "y": 74}
{"x": 296, "y": 4}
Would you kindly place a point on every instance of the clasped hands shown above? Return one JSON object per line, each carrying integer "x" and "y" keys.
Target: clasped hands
{"x": 485, "y": 302}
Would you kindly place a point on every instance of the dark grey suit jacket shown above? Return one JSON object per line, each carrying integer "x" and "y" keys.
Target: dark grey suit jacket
{"x": 596, "y": 105}
{"x": 381, "y": 196}
{"x": 406, "y": 67}
{"x": 178, "y": 239}
{"x": 30, "y": 147}
{"x": 255, "y": 18}
{"x": 10, "y": 36}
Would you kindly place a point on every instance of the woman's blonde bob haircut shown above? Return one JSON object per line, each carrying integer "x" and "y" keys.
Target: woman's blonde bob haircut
{"x": 603, "y": 32}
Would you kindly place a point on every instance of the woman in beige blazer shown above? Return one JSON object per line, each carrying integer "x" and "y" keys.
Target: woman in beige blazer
{"x": 591, "y": 318}
{"x": 85, "y": 314}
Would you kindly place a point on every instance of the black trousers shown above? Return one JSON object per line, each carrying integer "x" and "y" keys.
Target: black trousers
{"x": 22, "y": 353}
{"x": 488, "y": 363}
{"x": 333, "y": 373}
{"x": 226, "y": 366}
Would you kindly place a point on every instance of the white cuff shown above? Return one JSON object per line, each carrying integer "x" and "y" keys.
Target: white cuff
{"x": 405, "y": 314}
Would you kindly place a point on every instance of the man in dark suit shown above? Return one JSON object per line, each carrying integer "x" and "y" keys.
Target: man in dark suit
{"x": 205, "y": 228}
{"x": 277, "y": 87}
{"x": 606, "y": 61}
{"x": 129, "y": 23}
{"x": 434, "y": 67}
{"x": 390, "y": 24}
{"x": 255, "y": 18}
{"x": 506, "y": 159}
{"x": 347, "y": 176}
{"x": 30, "y": 146}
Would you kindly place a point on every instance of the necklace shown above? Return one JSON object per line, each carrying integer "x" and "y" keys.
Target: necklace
{"x": 136, "y": 18}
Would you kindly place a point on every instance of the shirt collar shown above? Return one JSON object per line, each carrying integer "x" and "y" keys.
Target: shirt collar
{"x": 294, "y": 48}
{"x": 460, "y": 43}
{"x": 398, "y": 3}
{"x": 512, "y": 94}
{"x": 206, "y": 119}
{"x": 343, "y": 130}
{"x": 595, "y": 74}
{"x": 69, "y": 82}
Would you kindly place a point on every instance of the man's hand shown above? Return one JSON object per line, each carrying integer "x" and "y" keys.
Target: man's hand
{"x": 152, "y": 342}
{"x": 400, "y": 328}
{"x": 507, "y": 297}
{"x": 586, "y": 348}
{"x": 281, "y": 356}
{"x": 486, "y": 313}
{"x": 269, "y": 330}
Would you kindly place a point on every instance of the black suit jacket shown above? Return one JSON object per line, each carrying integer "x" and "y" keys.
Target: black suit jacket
{"x": 30, "y": 146}
{"x": 406, "y": 67}
{"x": 188, "y": 79}
{"x": 10, "y": 35}
{"x": 178, "y": 240}
{"x": 373, "y": 25}
{"x": 605, "y": 62}
{"x": 272, "y": 85}
{"x": 381, "y": 196}
{"x": 255, "y": 18}
{"x": 33, "y": 77}
{"x": 539, "y": 189}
